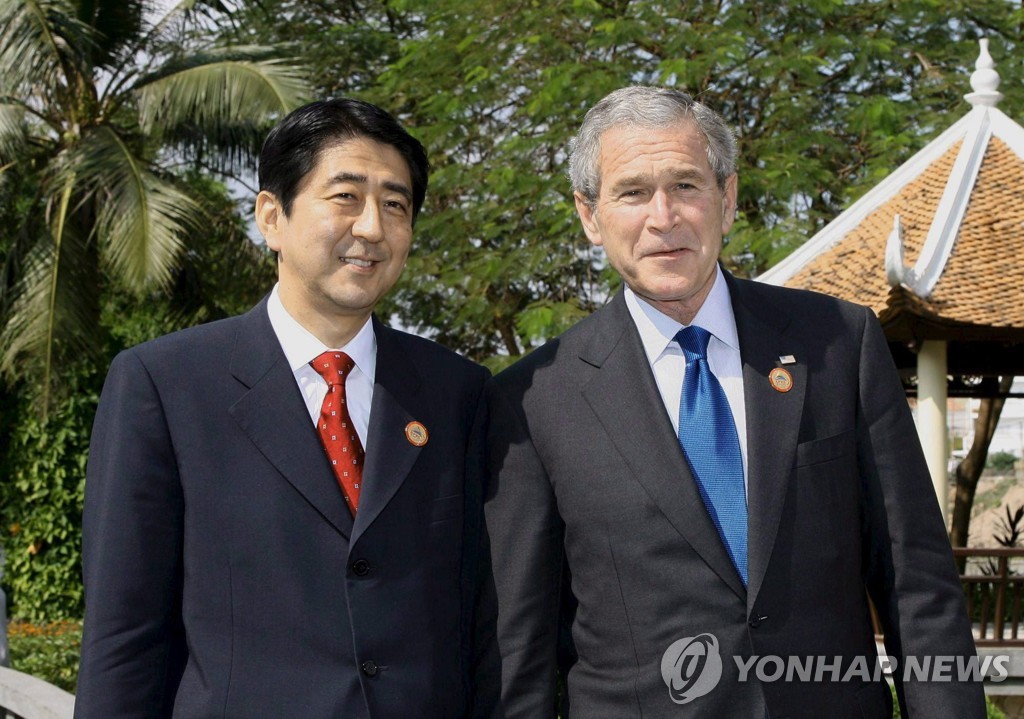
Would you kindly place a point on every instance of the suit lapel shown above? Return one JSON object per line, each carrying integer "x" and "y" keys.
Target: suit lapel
{"x": 626, "y": 399}
{"x": 274, "y": 416}
{"x": 773, "y": 418}
{"x": 396, "y": 402}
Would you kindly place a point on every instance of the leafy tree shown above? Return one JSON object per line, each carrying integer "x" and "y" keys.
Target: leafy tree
{"x": 827, "y": 96}
{"x": 98, "y": 107}
{"x": 969, "y": 470}
{"x": 42, "y": 459}
{"x": 346, "y": 44}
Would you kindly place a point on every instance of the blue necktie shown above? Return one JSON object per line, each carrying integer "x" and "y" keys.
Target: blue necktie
{"x": 708, "y": 437}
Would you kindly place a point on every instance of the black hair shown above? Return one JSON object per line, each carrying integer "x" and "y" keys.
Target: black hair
{"x": 293, "y": 148}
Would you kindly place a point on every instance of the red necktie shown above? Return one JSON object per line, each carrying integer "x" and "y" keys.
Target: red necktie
{"x": 337, "y": 433}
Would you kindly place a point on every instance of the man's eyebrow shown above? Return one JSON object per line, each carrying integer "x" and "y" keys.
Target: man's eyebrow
{"x": 688, "y": 174}
{"x": 630, "y": 181}
{"x": 347, "y": 177}
{"x": 643, "y": 178}
{"x": 398, "y": 187}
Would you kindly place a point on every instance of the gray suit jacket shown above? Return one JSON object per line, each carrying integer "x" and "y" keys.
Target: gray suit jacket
{"x": 599, "y": 536}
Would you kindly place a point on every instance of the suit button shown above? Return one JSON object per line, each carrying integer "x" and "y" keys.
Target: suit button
{"x": 370, "y": 668}
{"x": 360, "y": 567}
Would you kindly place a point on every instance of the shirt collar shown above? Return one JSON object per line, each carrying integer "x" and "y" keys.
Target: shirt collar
{"x": 301, "y": 346}
{"x": 658, "y": 330}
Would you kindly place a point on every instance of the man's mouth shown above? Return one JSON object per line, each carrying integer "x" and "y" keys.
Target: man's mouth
{"x": 667, "y": 253}
{"x": 359, "y": 262}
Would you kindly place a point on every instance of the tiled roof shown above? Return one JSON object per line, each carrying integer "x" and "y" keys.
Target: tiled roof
{"x": 937, "y": 248}
{"x": 983, "y": 280}
{"x": 854, "y": 268}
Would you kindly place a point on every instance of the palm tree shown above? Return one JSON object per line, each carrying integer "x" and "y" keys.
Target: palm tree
{"x": 98, "y": 105}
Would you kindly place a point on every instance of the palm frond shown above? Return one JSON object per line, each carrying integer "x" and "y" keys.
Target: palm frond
{"x": 118, "y": 24}
{"x": 141, "y": 217}
{"x": 42, "y": 44}
{"x": 53, "y": 312}
{"x": 12, "y": 132}
{"x": 220, "y": 88}
{"x": 191, "y": 11}
{"x": 231, "y": 153}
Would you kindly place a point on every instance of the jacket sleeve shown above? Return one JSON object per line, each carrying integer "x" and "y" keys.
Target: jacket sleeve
{"x": 911, "y": 575}
{"x": 484, "y": 661}
{"x": 133, "y": 646}
{"x": 526, "y": 543}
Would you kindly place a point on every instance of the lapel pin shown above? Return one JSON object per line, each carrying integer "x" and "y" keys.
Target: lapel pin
{"x": 416, "y": 433}
{"x": 787, "y": 359}
{"x": 781, "y": 380}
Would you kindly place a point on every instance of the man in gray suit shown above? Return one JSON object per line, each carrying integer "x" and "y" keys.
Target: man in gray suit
{"x": 709, "y": 472}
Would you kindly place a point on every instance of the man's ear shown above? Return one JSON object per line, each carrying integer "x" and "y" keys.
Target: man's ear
{"x": 729, "y": 203}
{"x": 269, "y": 215}
{"x": 587, "y": 217}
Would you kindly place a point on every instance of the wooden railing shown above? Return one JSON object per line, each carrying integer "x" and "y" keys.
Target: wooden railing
{"x": 993, "y": 581}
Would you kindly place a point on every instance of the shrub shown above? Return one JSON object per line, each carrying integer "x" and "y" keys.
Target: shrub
{"x": 41, "y": 493}
{"x": 47, "y": 651}
{"x": 1001, "y": 461}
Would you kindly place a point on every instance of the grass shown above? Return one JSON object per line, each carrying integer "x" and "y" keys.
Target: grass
{"x": 992, "y": 497}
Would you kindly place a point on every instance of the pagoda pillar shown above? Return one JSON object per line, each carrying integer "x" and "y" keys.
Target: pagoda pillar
{"x": 932, "y": 392}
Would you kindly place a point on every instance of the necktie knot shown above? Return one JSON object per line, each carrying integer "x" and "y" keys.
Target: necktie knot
{"x": 694, "y": 342}
{"x": 333, "y": 366}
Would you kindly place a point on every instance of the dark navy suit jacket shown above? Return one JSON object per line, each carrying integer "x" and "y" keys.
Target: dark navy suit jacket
{"x": 225, "y": 576}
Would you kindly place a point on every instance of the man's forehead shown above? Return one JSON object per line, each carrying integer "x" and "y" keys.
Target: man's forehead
{"x": 625, "y": 144}
{"x": 334, "y": 155}
{"x": 628, "y": 131}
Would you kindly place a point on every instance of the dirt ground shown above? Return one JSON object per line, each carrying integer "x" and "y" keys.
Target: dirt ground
{"x": 994, "y": 495}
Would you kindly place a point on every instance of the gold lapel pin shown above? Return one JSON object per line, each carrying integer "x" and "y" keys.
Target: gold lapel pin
{"x": 780, "y": 379}
{"x": 416, "y": 433}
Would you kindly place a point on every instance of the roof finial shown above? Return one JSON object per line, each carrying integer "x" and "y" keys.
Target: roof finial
{"x": 984, "y": 79}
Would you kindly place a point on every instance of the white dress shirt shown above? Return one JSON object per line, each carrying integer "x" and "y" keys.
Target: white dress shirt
{"x": 301, "y": 347}
{"x": 657, "y": 332}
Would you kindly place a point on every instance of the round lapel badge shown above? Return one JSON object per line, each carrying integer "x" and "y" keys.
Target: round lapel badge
{"x": 780, "y": 379}
{"x": 416, "y": 433}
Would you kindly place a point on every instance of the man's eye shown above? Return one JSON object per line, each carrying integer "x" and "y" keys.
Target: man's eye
{"x": 396, "y": 205}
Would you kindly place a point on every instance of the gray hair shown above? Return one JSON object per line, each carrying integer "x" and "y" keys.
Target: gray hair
{"x": 651, "y": 108}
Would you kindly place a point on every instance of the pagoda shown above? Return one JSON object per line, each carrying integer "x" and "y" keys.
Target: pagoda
{"x": 937, "y": 251}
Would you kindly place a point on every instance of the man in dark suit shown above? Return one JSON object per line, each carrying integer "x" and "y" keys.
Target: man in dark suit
{"x": 709, "y": 471}
{"x": 283, "y": 509}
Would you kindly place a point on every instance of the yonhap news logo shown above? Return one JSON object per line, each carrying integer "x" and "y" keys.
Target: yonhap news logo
{"x": 691, "y": 667}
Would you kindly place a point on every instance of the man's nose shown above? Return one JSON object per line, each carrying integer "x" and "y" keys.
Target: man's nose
{"x": 369, "y": 225}
{"x": 663, "y": 213}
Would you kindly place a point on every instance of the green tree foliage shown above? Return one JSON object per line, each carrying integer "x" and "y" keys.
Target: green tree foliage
{"x": 827, "y": 97}
{"x": 112, "y": 232}
{"x": 43, "y": 458}
{"x": 98, "y": 107}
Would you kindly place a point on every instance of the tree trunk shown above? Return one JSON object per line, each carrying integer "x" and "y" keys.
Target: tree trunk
{"x": 968, "y": 472}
